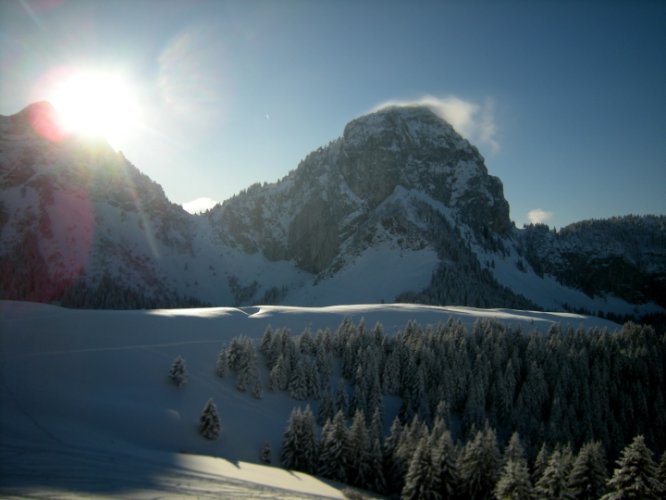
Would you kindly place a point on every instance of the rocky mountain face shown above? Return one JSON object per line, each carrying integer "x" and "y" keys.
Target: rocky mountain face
{"x": 400, "y": 207}
{"x": 622, "y": 256}
{"x": 75, "y": 215}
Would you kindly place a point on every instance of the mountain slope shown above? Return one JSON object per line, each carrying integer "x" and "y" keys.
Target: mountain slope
{"x": 400, "y": 207}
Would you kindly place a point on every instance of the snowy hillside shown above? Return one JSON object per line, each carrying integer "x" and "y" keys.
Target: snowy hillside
{"x": 86, "y": 408}
{"x": 399, "y": 208}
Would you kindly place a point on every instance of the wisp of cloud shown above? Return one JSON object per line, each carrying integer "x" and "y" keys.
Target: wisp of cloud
{"x": 475, "y": 122}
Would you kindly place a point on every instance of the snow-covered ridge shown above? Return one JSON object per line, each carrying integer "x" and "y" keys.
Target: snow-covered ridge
{"x": 400, "y": 207}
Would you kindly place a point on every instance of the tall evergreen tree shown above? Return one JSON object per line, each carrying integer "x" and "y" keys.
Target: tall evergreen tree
{"x": 222, "y": 363}
{"x": 209, "y": 422}
{"x": 420, "y": 478}
{"x": 299, "y": 446}
{"x": 444, "y": 466}
{"x": 333, "y": 449}
{"x": 587, "y": 479}
{"x": 360, "y": 471}
{"x": 661, "y": 469}
{"x": 391, "y": 461}
{"x": 278, "y": 379}
{"x": 514, "y": 481}
{"x": 540, "y": 463}
{"x": 479, "y": 465}
{"x": 635, "y": 475}
{"x": 553, "y": 482}
{"x": 178, "y": 372}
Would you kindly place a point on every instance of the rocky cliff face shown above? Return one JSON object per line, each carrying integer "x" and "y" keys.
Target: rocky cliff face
{"x": 370, "y": 180}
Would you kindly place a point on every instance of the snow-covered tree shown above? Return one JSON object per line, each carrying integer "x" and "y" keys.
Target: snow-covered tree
{"x": 392, "y": 465}
{"x": 333, "y": 449}
{"x": 266, "y": 347}
{"x": 360, "y": 471}
{"x": 209, "y": 422}
{"x": 420, "y": 478}
{"x": 222, "y": 363}
{"x": 553, "y": 483}
{"x": 540, "y": 463}
{"x": 178, "y": 372}
{"x": 587, "y": 479}
{"x": 445, "y": 469}
{"x": 635, "y": 475}
{"x": 479, "y": 465}
{"x": 299, "y": 446}
{"x": 278, "y": 379}
{"x": 266, "y": 455}
{"x": 661, "y": 469}
{"x": 514, "y": 481}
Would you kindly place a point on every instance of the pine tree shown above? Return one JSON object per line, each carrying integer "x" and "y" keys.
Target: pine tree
{"x": 635, "y": 475}
{"x": 222, "y": 363}
{"x": 360, "y": 470}
{"x": 266, "y": 456}
{"x": 514, "y": 482}
{"x": 661, "y": 470}
{"x": 553, "y": 482}
{"x": 326, "y": 409}
{"x": 479, "y": 465}
{"x": 178, "y": 372}
{"x": 209, "y": 422}
{"x": 444, "y": 466}
{"x": 298, "y": 384}
{"x": 391, "y": 462}
{"x": 333, "y": 450}
{"x": 278, "y": 379}
{"x": 266, "y": 347}
{"x": 419, "y": 481}
{"x": 540, "y": 463}
{"x": 299, "y": 446}
{"x": 587, "y": 479}
{"x": 377, "y": 480}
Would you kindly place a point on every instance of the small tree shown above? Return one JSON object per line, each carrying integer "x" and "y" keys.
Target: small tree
{"x": 209, "y": 422}
{"x": 178, "y": 372}
{"x": 266, "y": 455}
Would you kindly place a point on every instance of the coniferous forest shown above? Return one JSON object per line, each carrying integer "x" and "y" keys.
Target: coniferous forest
{"x": 449, "y": 412}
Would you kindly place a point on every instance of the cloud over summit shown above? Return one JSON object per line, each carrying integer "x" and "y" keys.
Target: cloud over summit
{"x": 474, "y": 121}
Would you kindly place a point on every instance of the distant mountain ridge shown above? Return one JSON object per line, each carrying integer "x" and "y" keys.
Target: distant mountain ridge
{"x": 400, "y": 207}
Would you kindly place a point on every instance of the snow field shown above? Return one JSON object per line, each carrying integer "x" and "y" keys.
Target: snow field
{"x": 86, "y": 407}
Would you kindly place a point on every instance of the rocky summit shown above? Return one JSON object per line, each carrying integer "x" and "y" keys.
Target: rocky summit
{"x": 400, "y": 207}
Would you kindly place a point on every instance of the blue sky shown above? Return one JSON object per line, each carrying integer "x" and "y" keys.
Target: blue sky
{"x": 566, "y": 100}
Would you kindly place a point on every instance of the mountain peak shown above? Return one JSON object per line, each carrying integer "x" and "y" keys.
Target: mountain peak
{"x": 400, "y": 126}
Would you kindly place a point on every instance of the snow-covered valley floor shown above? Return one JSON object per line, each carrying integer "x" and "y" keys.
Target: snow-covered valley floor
{"x": 86, "y": 409}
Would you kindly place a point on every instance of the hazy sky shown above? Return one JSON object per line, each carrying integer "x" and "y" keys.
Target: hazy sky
{"x": 566, "y": 100}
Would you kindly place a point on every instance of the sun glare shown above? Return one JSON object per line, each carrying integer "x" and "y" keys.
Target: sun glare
{"x": 96, "y": 104}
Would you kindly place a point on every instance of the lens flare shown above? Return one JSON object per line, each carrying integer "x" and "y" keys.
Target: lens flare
{"x": 94, "y": 103}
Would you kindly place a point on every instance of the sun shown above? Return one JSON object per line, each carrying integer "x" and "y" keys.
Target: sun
{"x": 93, "y": 103}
